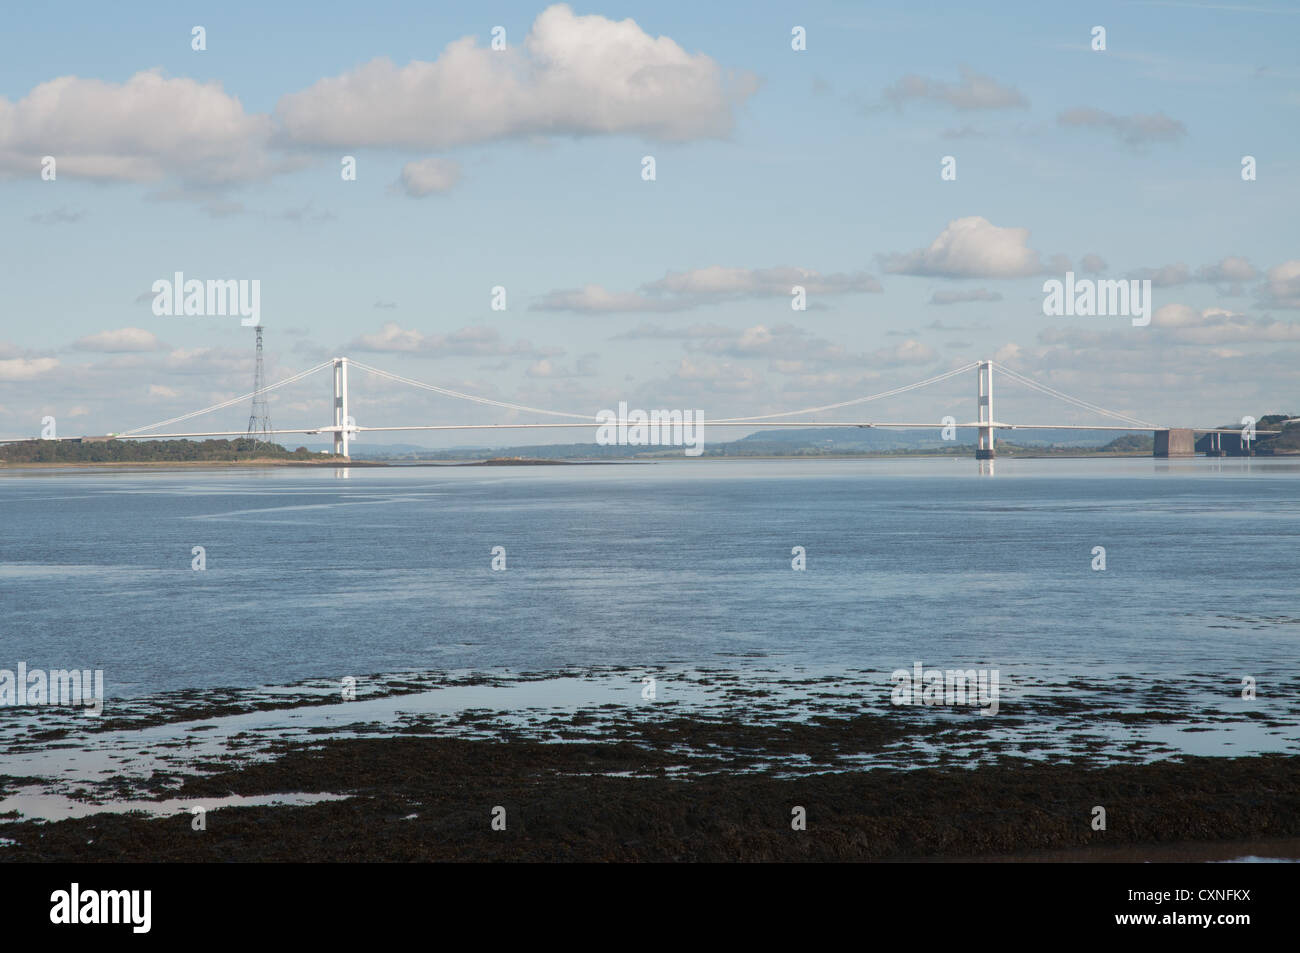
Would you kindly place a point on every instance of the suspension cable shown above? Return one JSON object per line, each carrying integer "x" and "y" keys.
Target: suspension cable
{"x": 447, "y": 392}
{"x": 1084, "y": 404}
{"x": 233, "y": 400}
{"x": 850, "y": 403}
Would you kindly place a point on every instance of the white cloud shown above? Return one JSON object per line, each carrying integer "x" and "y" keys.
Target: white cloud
{"x": 909, "y": 352}
{"x": 469, "y": 341}
{"x": 597, "y": 299}
{"x": 428, "y": 176}
{"x": 120, "y": 341}
{"x": 1175, "y": 316}
{"x": 682, "y": 290}
{"x": 1282, "y": 289}
{"x": 1217, "y": 326}
{"x": 1230, "y": 269}
{"x": 1009, "y": 353}
{"x": 146, "y": 129}
{"x": 1165, "y": 276}
{"x": 716, "y": 281}
{"x": 723, "y": 376}
{"x": 572, "y": 75}
{"x": 26, "y": 368}
{"x": 970, "y": 247}
{"x": 1136, "y": 130}
{"x": 960, "y": 297}
{"x": 549, "y": 370}
{"x": 975, "y": 91}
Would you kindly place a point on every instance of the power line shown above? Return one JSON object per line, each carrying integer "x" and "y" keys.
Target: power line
{"x": 259, "y": 418}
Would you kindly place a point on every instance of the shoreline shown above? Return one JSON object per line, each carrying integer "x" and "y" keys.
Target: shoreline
{"x": 577, "y": 461}
{"x": 587, "y": 769}
{"x": 420, "y": 798}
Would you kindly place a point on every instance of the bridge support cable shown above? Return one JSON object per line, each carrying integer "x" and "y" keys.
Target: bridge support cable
{"x": 728, "y": 421}
{"x": 849, "y": 403}
{"x": 448, "y": 392}
{"x": 1084, "y": 404}
{"x": 227, "y": 403}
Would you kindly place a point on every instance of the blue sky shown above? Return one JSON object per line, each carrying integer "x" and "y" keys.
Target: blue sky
{"x": 226, "y": 164}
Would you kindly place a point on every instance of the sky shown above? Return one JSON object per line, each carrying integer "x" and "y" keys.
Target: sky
{"x": 524, "y": 169}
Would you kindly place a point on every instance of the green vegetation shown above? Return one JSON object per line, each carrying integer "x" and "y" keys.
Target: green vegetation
{"x": 1288, "y": 441}
{"x": 149, "y": 451}
{"x": 1131, "y": 443}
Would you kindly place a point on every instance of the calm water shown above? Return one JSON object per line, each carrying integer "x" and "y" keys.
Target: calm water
{"x": 312, "y": 574}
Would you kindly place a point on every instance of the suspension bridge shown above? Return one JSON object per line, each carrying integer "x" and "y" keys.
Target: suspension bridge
{"x": 1168, "y": 442}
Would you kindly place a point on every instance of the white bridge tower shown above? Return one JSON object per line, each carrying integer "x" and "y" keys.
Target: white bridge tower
{"x": 984, "y": 411}
{"x": 342, "y": 422}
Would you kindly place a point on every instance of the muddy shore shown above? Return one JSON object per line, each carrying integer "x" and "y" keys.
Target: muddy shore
{"x": 688, "y": 789}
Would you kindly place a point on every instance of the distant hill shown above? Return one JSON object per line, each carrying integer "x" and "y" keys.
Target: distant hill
{"x": 1288, "y": 441}
{"x": 870, "y": 440}
{"x": 795, "y": 442}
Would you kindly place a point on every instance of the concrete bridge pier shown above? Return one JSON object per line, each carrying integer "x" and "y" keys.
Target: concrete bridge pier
{"x": 1175, "y": 443}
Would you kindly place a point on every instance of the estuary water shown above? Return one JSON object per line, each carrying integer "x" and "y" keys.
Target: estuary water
{"x": 322, "y": 573}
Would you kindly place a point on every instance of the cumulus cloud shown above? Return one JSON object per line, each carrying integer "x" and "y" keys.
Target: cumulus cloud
{"x": 960, "y": 297}
{"x": 657, "y": 332}
{"x": 906, "y": 353}
{"x": 723, "y": 376}
{"x": 1093, "y": 264}
{"x": 469, "y": 341}
{"x": 1163, "y": 277}
{"x": 26, "y": 368}
{"x": 717, "y": 281}
{"x": 1282, "y": 287}
{"x": 681, "y": 290}
{"x": 1136, "y": 130}
{"x": 119, "y": 341}
{"x": 787, "y": 348}
{"x": 597, "y": 299}
{"x": 549, "y": 370}
{"x": 149, "y": 128}
{"x": 572, "y": 75}
{"x": 970, "y": 247}
{"x": 1231, "y": 271}
{"x": 946, "y": 328}
{"x": 1218, "y": 326}
{"x": 428, "y": 176}
{"x": 975, "y": 91}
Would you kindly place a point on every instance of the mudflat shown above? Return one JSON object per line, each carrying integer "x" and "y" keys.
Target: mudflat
{"x": 693, "y": 789}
